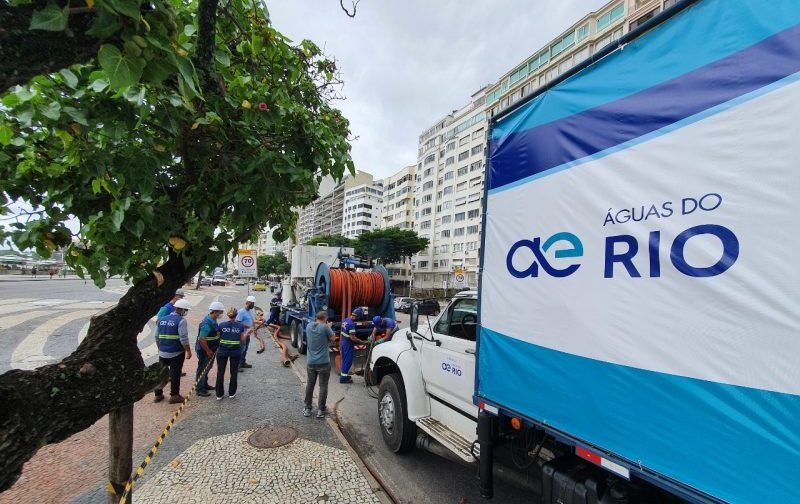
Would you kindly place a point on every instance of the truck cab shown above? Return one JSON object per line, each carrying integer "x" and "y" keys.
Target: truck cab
{"x": 426, "y": 377}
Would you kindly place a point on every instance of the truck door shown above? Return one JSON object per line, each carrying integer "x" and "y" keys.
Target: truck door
{"x": 449, "y": 368}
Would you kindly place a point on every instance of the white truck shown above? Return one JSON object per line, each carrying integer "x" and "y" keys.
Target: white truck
{"x": 636, "y": 332}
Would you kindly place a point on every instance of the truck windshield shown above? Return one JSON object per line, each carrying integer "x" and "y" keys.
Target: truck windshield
{"x": 460, "y": 320}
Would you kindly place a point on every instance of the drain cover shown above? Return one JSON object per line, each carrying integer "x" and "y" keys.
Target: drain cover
{"x": 272, "y": 437}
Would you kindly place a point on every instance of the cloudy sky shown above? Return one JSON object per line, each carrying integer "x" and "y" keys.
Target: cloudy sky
{"x": 407, "y": 63}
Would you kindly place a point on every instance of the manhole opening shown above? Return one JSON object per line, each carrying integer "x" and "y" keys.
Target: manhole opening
{"x": 272, "y": 437}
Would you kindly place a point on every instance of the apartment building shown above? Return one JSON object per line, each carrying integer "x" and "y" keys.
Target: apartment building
{"x": 325, "y": 216}
{"x": 398, "y": 212}
{"x": 584, "y": 38}
{"x": 448, "y": 196}
{"x": 362, "y": 208}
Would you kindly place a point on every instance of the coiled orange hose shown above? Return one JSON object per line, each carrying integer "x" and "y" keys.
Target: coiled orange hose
{"x": 355, "y": 288}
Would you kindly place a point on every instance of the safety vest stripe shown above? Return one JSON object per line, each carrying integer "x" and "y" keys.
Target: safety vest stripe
{"x": 169, "y": 336}
{"x": 230, "y": 342}
{"x": 210, "y": 338}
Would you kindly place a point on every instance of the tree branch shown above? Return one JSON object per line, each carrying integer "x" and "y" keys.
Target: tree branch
{"x": 355, "y": 4}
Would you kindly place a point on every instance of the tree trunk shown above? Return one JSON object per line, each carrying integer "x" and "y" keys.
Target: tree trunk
{"x": 120, "y": 449}
{"x": 106, "y": 372}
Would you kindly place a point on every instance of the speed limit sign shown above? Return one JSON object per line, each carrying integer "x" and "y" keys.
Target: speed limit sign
{"x": 247, "y": 263}
{"x": 459, "y": 277}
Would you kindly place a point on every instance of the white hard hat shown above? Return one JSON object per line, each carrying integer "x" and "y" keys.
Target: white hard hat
{"x": 182, "y": 303}
{"x": 251, "y": 299}
{"x": 179, "y": 293}
{"x": 216, "y": 306}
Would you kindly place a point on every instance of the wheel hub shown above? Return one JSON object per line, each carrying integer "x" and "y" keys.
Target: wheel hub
{"x": 387, "y": 412}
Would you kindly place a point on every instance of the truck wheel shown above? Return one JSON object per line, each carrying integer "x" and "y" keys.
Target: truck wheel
{"x": 301, "y": 342}
{"x": 293, "y": 333}
{"x": 399, "y": 433}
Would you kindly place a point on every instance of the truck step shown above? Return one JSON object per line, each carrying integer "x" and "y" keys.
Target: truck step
{"x": 448, "y": 437}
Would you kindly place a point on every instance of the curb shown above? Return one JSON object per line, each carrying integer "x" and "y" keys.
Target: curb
{"x": 375, "y": 485}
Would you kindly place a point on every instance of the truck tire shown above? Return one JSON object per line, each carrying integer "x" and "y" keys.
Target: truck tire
{"x": 301, "y": 342}
{"x": 399, "y": 433}
{"x": 293, "y": 333}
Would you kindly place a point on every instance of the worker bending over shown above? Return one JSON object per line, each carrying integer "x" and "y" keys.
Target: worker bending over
{"x": 383, "y": 330}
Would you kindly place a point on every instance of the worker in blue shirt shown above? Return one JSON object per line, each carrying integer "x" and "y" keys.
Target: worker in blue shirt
{"x": 246, "y": 317}
{"x": 170, "y": 307}
{"x": 347, "y": 342}
{"x": 383, "y": 330}
{"x": 173, "y": 349}
{"x": 232, "y": 335}
{"x": 206, "y": 345}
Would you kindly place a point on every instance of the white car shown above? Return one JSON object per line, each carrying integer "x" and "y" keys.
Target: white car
{"x": 400, "y": 300}
{"x": 219, "y": 280}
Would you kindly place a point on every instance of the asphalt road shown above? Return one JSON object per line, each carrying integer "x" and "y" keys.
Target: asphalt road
{"x": 42, "y": 321}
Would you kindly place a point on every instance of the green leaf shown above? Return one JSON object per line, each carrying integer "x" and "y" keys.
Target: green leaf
{"x": 158, "y": 70}
{"x": 6, "y": 133}
{"x": 76, "y": 115}
{"x": 130, "y": 8}
{"x": 51, "y": 111}
{"x": 187, "y": 72}
{"x": 116, "y": 218}
{"x": 99, "y": 85}
{"x": 96, "y": 186}
{"x": 105, "y": 24}
{"x": 24, "y": 94}
{"x": 223, "y": 58}
{"x": 121, "y": 71}
{"x": 138, "y": 228}
{"x": 70, "y": 79}
{"x": 10, "y": 100}
{"x": 189, "y": 30}
{"x": 51, "y": 18}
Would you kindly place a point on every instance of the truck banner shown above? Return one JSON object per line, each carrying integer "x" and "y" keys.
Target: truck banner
{"x": 640, "y": 268}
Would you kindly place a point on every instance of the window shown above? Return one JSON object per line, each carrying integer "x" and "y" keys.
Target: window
{"x": 460, "y": 216}
{"x": 473, "y": 214}
{"x": 449, "y": 175}
{"x": 451, "y": 146}
{"x": 458, "y": 232}
{"x": 583, "y": 32}
{"x": 461, "y": 187}
{"x": 446, "y": 233}
{"x": 464, "y": 155}
{"x": 460, "y": 320}
{"x": 472, "y": 229}
{"x": 464, "y": 141}
{"x": 450, "y": 161}
{"x": 430, "y": 158}
{"x": 475, "y": 182}
{"x": 440, "y": 181}
{"x": 427, "y": 198}
{"x": 425, "y": 224}
{"x": 461, "y": 201}
{"x": 447, "y": 190}
{"x": 423, "y": 264}
{"x": 427, "y": 172}
{"x": 475, "y": 166}
{"x": 493, "y": 96}
{"x": 426, "y": 211}
{"x": 427, "y": 185}
{"x": 444, "y": 248}
{"x": 458, "y": 247}
{"x": 462, "y": 171}
{"x": 477, "y": 134}
{"x": 444, "y": 262}
{"x": 447, "y": 204}
{"x": 642, "y": 20}
{"x": 610, "y": 16}
{"x": 446, "y": 219}
{"x": 477, "y": 149}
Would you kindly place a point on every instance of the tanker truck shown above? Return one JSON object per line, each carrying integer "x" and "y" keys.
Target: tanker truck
{"x": 635, "y": 334}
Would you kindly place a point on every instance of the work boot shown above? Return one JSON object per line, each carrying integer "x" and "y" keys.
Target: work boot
{"x": 158, "y": 398}
{"x": 345, "y": 379}
{"x": 245, "y": 365}
{"x": 211, "y": 387}
{"x": 174, "y": 399}
{"x": 203, "y": 394}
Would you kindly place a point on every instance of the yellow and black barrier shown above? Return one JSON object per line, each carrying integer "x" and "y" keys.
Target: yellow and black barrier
{"x": 111, "y": 487}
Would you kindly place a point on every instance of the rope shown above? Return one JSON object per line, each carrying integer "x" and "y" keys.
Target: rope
{"x": 355, "y": 288}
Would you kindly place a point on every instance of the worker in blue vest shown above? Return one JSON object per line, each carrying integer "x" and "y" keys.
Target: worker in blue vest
{"x": 383, "y": 330}
{"x": 232, "y": 335}
{"x": 347, "y": 342}
{"x": 206, "y": 345}
{"x": 173, "y": 349}
{"x": 170, "y": 307}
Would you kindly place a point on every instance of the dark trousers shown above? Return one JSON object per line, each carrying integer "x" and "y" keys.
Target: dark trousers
{"x": 202, "y": 361}
{"x": 175, "y": 365}
{"x": 245, "y": 346}
{"x": 323, "y": 371}
{"x": 222, "y": 362}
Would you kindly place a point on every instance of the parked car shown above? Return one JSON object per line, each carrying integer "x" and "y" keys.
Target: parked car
{"x": 399, "y": 301}
{"x": 205, "y": 281}
{"x": 260, "y": 285}
{"x": 428, "y": 306}
{"x": 240, "y": 281}
{"x": 219, "y": 280}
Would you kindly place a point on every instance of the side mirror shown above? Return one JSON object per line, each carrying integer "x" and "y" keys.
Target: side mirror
{"x": 414, "y": 324}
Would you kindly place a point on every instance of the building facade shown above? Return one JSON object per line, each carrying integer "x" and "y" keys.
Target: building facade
{"x": 398, "y": 212}
{"x": 448, "y": 196}
{"x": 362, "y": 208}
{"x": 584, "y": 38}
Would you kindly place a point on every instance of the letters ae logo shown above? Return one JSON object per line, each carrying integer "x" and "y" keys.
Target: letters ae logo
{"x": 567, "y": 246}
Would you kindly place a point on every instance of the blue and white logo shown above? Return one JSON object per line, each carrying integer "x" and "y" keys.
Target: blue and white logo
{"x": 572, "y": 247}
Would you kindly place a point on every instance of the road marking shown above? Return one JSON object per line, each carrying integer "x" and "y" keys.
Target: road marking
{"x": 20, "y": 318}
{"x": 29, "y": 353}
{"x": 15, "y": 300}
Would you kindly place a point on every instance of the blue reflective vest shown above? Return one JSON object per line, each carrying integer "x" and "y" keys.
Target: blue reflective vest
{"x": 230, "y": 337}
{"x": 168, "y": 338}
{"x": 212, "y": 338}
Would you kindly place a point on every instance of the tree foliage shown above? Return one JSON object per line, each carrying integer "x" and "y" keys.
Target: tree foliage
{"x": 171, "y": 132}
{"x": 331, "y": 240}
{"x": 276, "y": 264}
{"x": 391, "y": 245}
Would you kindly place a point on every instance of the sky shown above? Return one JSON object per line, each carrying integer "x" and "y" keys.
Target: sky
{"x": 408, "y": 63}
